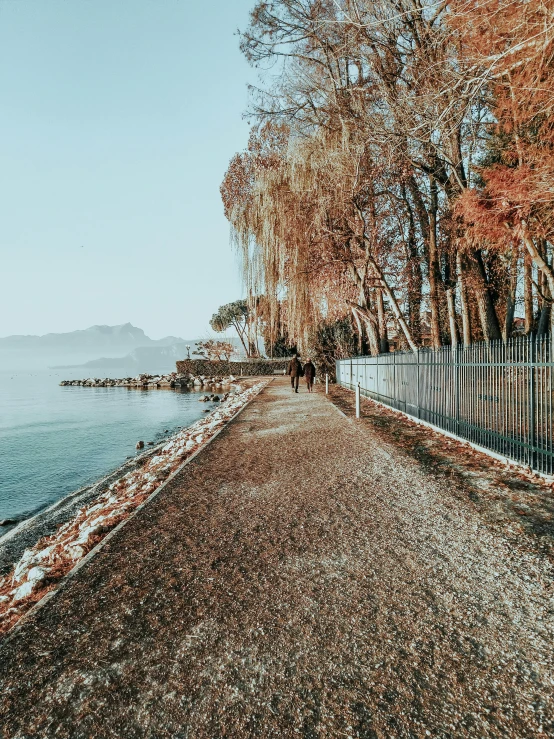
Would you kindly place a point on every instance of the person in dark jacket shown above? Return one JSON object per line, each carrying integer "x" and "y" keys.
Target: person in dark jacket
{"x": 309, "y": 374}
{"x": 295, "y": 371}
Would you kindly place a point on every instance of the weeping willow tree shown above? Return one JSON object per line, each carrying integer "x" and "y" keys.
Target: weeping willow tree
{"x": 273, "y": 230}
{"x": 314, "y": 231}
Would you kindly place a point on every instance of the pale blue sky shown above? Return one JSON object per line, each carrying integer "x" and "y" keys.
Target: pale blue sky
{"x": 118, "y": 119}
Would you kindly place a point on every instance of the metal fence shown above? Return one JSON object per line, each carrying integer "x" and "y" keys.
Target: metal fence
{"x": 496, "y": 395}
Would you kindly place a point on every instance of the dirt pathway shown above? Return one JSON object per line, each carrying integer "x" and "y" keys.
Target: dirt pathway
{"x": 302, "y": 577}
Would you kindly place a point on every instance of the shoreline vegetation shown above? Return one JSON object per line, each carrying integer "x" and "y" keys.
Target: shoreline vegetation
{"x": 44, "y": 564}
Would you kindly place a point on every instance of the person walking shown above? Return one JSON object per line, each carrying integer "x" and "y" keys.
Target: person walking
{"x": 295, "y": 371}
{"x": 309, "y": 374}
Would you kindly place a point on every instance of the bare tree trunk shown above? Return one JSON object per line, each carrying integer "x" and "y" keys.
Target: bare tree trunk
{"x": 546, "y": 268}
{"x": 414, "y": 265}
{"x": 415, "y": 299}
{"x": 393, "y": 304}
{"x": 359, "y": 329}
{"x": 241, "y": 333}
{"x": 450, "y": 287}
{"x": 434, "y": 275}
{"x": 384, "y": 346}
{"x": 251, "y": 349}
{"x": 511, "y": 296}
{"x": 528, "y": 292}
{"x": 372, "y": 337}
{"x": 544, "y": 319}
{"x": 363, "y": 309}
{"x": 464, "y": 302}
{"x": 399, "y": 317}
{"x": 371, "y": 329}
{"x": 452, "y": 317}
{"x": 485, "y": 305}
{"x": 544, "y": 294}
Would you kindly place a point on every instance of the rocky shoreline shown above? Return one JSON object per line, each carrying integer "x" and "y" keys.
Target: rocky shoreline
{"x": 153, "y": 382}
{"x": 66, "y": 533}
{"x": 27, "y": 531}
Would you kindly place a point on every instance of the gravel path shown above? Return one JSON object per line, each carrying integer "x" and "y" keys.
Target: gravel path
{"x": 306, "y": 577}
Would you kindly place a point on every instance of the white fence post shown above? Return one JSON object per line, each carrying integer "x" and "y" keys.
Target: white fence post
{"x": 358, "y": 400}
{"x": 326, "y": 384}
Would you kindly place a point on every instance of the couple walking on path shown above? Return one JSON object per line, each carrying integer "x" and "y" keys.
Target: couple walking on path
{"x": 296, "y": 371}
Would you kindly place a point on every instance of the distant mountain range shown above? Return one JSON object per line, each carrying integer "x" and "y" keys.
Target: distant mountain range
{"x": 77, "y": 348}
{"x": 141, "y": 359}
{"x": 95, "y": 338}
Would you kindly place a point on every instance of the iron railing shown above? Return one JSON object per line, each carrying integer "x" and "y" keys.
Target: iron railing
{"x": 496, "y": 395}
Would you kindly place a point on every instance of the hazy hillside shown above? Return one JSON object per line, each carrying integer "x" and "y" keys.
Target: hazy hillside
{"x": 141, "y": 359}
{"x": 77, "y": 347}
{"x": 144, "y": 359}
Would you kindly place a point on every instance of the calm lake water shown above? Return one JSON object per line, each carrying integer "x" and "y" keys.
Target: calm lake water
{"x": 54, "y": 440}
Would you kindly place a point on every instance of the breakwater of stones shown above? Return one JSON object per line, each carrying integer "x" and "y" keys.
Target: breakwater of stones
{"x": 145, "y": 381}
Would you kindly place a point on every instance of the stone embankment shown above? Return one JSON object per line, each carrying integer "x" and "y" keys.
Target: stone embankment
{"x": 152, "y": 382}
{"x": 247, "y": 368}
